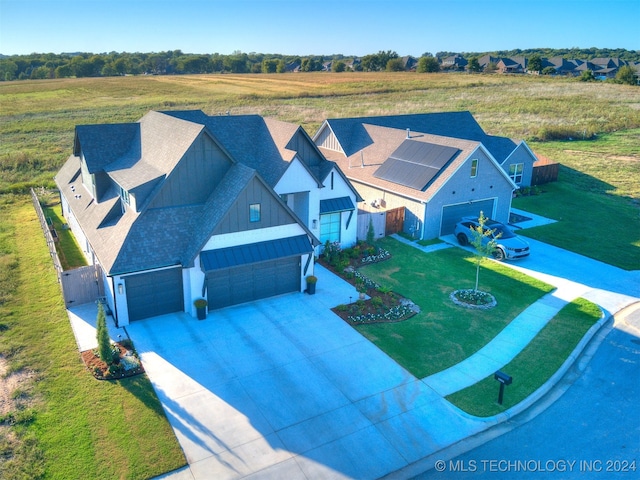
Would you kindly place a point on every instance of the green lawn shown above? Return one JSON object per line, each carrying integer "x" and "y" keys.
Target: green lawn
{"x": 443, "y": 334}
{"x": 67, "y": 424}
{"x": 71, "y": 255}
{"x": 534, "y": 365}
{"x": 604, "y": 227}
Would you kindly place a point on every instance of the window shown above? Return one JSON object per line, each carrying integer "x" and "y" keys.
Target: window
{"x": 330, "y": 227}
{"x": 124, "y": 197}
{"x": 515, "y": 172}
{"x": 474, "y": 168}
{"x": 331, "y": 180}
{"x": 254, "y": 212}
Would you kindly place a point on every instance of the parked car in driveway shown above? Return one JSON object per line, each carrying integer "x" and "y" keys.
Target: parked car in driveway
{"x": 508, "y": 244}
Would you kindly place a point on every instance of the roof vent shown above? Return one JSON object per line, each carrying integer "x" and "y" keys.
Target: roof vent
{"x": 408, "y": 133}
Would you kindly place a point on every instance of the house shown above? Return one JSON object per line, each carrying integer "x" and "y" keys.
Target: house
{"x": 454, "y": 62}
{"x": 512, "y": 65}
{"x": 182, "y": 205}
{"x": 409, "y": 63}
{"x": 438, "y": 166}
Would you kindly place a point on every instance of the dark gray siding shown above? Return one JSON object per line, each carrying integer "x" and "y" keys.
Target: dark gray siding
{"x": 272, "y": 212}
{"x": 203, "y": 166}
{"x": 305, "y": 149}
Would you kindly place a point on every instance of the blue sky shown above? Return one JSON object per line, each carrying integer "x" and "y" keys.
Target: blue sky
{"x": 314, "y": 27}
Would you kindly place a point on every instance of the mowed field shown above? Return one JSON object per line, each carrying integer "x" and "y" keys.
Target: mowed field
{"x": 64, "y": 424}
{"x": 37, "y": 118}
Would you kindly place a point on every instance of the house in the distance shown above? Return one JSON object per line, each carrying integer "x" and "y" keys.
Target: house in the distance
{"x": 183, "y": 205}
{"x": 438, "y": 167}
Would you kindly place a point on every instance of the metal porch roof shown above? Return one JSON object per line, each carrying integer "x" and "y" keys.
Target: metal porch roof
{"x": 254, "y": 253}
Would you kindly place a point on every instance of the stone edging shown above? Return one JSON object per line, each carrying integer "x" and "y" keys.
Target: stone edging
{"x": 487, "y": 306}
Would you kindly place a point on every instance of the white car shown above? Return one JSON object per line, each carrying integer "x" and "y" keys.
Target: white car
{"x": 508, "y": 244}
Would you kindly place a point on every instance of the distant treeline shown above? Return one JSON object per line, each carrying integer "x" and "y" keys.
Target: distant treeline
{"x": 49, "y": 65}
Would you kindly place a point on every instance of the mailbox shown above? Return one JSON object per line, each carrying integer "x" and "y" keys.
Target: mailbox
{"x": 502, "y": 377}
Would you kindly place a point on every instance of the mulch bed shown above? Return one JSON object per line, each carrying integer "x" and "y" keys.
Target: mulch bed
{"x": 362, "y": 308}
{"x": 100, "y": 369}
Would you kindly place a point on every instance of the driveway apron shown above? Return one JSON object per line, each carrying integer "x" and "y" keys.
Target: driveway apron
{"x": 283, "y": 388}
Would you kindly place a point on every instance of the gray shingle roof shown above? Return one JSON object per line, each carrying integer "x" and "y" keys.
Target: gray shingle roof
{"x": 103, "y": 144}
{"x": 245, "y": 137}
{"x": 353, "y": 137}
{"x": 385, "y": 142}
{"x": 139, "y": 157}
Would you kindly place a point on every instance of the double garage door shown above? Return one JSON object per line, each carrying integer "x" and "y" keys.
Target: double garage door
{"x": 451, "y": 214}
{"x": 246, "y": 283}
{"x": 154, "y": 293}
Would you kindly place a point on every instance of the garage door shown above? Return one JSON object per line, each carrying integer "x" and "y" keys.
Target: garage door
{"x": 154, "y": 293}
{"x": 451, "y": 214}
{"x": 252, "y": 282}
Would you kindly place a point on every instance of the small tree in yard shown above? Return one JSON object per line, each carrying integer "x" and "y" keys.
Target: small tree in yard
{"x": 102, "y": 335}
{"x": 483, "y": 247}
{"x": 370, "y": 232}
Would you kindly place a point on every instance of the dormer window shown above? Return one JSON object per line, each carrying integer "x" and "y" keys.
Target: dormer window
{"x": 124, "y": 196}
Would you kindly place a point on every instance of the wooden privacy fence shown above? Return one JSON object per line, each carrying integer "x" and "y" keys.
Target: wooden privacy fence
{"x": 545, "y": 170}
{"x": 80, "y": 285}
{"x": 386, "y": 222}
{"x": 544, "y": 174}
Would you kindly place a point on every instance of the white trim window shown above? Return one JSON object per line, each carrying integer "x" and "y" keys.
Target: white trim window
{"x": 124, "y": 197}
{"x": 515, "y": 172}
{"x": 254, "y": 212}
{"x": 330, "y": 227}
{"x": 474, "y": 168}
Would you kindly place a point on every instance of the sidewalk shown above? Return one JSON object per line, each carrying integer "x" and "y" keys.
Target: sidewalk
{"x": 521, "y": 330}
{"x": 506, "y": 345}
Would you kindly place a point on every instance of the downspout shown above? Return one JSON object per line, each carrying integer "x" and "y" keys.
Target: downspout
{"x": 115, "y": 302}
{"x": 424, "y": 218}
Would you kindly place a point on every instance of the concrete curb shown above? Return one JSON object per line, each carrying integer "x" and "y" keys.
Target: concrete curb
{"x": 493, "y": 423}
{"x": 553, "y": 380}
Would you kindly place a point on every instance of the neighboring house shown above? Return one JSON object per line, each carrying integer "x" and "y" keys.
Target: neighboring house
{"x": 512, "y": 65}
{"x": 486, "y": 60}
{"x": 410, "y": 63}
{"x": 182, "y": 205}
{"x": 601, "y": 67}
{"x": 438, "y": 166}
{"x": 454, "y": 62}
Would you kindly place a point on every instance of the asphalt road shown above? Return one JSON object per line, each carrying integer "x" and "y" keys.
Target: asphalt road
{"x": 588, "y": 427}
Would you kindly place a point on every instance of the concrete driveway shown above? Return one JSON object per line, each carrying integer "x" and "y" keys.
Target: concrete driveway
{"x": 283, "y": 388}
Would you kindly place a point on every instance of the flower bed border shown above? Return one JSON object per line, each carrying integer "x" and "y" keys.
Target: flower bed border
{"x": 93, "y": 364}
{"x": 486, "y": 306}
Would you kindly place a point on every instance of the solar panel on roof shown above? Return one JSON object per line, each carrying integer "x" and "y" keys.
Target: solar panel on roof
{"x": 415, "y": 164}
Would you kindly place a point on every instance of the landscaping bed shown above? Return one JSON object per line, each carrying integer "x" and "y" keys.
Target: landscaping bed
{"x": 382, "y": 305}
{"x": 128, "y": 364}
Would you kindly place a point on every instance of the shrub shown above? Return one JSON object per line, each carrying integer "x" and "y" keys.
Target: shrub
{"x": 370, "y": 232}
{"x": 102, "y": 335}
